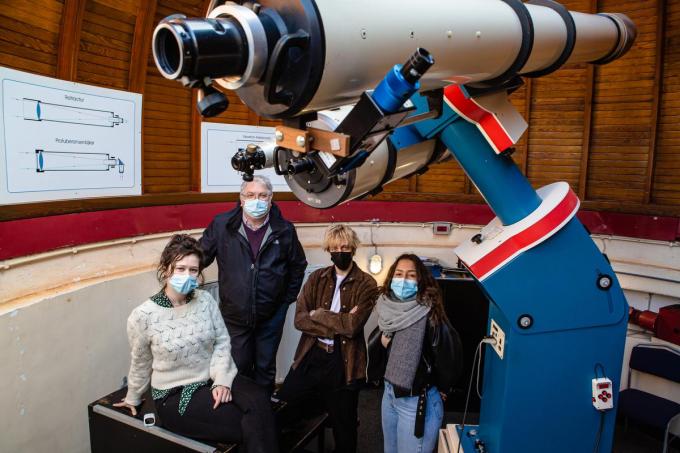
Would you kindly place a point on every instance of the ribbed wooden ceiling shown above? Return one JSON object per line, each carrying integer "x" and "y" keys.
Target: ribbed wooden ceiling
{"x": 612, "y": 132}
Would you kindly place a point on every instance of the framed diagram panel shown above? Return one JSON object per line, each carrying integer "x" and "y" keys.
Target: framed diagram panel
{"x": 219, "y": 142}
{"x": 64, "y": 140}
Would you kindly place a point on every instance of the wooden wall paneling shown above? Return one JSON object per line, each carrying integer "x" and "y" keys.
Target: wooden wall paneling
{"x": 587, "y": 119}
{"x": 622, "y": 112}
{"x": 554, "y": 111}
{"x": 413, "y": 183}
{"x": 446, "y": 177}
{"x": 467, "y": 185}
{"x": 524, "y": 143}
{"x": 253, "y": 118}
{"x": 656, "y": 104}
{"x": 269, "y": 122}
{"x": 31, "y": 35}
{"x": 69, "y": 36}
{"x": 666, "y": 177}
{"x": 587, "y": 126}
{"x": 141, "y": 44}
{"x": 106, "y": 43}
{"x": 168, "y": 120}
{"x": 139, "y": 56}
{"x": 195, "y": 145}
{"x": 556, "y": 127}
{"x": 237, "y": 113}
{"x": 398, "y": 186}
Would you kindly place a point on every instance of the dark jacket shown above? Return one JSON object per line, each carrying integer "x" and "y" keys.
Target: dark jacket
{"x": 359, "y": 290}
{"x": 441, "y": 360}
{"x": 251, "y": 290}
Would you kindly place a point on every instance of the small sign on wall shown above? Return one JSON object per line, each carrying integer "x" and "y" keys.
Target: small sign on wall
{"x": 219, "y": 143}
{"x": 65, "y": 140}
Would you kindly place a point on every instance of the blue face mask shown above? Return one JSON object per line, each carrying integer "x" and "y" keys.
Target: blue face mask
{"x": 404, "y": 288}
{"x": 183, "y": 284}
{"x": 256, "y": 208}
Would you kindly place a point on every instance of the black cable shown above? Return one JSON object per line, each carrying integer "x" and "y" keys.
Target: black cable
{"x": 601, "y": 428}
{"x": 467, "y": 398}
{"x": 599, "y": 433}
{"x": 479, "y": 364}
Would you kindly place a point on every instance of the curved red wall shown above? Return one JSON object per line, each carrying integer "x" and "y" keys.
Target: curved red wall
{"x": 41, "y": 234}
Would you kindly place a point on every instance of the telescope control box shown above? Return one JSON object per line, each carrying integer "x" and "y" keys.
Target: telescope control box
{"x": 602, "y": 394}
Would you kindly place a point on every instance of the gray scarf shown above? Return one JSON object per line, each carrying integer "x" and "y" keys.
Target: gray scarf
{"x": 395, "y": 315}
{"x": 407, "y": 322}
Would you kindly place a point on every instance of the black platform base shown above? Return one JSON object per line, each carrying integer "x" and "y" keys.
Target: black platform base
{"x": 114, "y": 430}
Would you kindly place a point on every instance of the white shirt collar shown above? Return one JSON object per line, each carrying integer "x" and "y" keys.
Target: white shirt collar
{"x": 254, "y": 227}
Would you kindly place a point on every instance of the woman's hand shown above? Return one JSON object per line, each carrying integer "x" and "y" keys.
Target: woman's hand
{"x": 385, "y": 340}
{"x": 443, "y": 395}
{"x": 132, "y": 408}
{"x": 221, "y": 394}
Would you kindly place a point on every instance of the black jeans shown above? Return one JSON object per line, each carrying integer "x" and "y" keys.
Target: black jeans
{"x": 322, "y": 375}
{"x": 248, "y": 419}
{"x": 254, "y": 348}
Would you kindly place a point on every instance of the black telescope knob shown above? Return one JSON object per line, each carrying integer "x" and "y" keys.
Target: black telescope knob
{"x": 211, "y": 102}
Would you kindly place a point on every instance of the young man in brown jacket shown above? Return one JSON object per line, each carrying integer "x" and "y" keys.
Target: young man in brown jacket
{"x": 330, "y": 361}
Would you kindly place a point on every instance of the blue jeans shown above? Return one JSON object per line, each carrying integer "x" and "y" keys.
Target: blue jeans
{"x": 399, "y": 419}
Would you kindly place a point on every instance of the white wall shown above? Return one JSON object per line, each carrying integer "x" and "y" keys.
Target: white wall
{"x": 62, "y": 318}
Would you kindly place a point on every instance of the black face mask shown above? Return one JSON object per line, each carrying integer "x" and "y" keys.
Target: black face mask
{"x": 343, "y": 260}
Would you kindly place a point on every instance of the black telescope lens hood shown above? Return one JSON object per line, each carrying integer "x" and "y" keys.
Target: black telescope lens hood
{"x": 199, "y": 47}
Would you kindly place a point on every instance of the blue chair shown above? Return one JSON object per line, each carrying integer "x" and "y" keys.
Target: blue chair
{"x": 643, "y": 407}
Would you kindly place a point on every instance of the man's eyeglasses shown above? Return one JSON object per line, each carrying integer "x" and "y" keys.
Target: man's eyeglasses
{"x": 264, "y": 196}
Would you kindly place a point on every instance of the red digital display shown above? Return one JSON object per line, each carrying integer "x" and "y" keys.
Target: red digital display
{"x": 603, "y": 385}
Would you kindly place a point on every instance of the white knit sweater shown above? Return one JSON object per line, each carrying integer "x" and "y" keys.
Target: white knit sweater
{"x": 172, "y": 347}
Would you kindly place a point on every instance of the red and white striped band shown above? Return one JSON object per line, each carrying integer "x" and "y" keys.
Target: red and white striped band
{"x": 501, "y": 243}
{"x": 486, "y": 121}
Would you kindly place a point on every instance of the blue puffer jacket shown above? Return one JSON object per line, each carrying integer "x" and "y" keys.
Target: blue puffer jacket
{"x": 252, "y": 290}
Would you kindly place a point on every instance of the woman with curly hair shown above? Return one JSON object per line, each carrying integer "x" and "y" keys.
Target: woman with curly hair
{"x": 418, "y": 354}
{"x": 180, "y": 346}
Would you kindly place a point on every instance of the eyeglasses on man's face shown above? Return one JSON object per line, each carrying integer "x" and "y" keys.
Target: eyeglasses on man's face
{"x": 264, "y": 196}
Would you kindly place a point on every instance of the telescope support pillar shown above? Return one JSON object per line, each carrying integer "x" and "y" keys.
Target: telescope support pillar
{"x": 554, "y": 299}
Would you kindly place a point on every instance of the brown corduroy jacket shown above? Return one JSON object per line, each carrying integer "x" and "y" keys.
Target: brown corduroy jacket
{"x": 358, "y": 290}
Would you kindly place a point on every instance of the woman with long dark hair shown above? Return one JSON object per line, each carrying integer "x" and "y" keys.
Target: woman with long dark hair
{"x": 417, "y": 353}
{"x": 180, "y": 346}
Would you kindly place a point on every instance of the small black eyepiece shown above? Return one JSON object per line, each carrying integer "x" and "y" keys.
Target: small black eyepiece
{"x": 298, "y": 166}
{"x": 417, "y": 65}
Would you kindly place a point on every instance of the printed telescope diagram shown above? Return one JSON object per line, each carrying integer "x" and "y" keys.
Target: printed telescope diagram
{"x": 36, "y": 110}
{"x": 76, "y": 161}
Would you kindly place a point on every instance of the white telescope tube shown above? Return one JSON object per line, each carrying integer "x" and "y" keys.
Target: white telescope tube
{"x": 313, "y": 55}
{"x": 471, "y": 41}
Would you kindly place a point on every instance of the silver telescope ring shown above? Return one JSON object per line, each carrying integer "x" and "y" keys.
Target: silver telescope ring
{"x": 157, "y": 59}
{"x": 627, "y": 34}
{"x": 257, "y": 45}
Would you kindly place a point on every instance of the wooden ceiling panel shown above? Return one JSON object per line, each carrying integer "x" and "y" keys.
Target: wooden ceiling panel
{"x": 31, "y": 35}
{"x": 666, "y": 182}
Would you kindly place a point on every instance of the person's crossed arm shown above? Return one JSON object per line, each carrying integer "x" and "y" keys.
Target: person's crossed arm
{"x": 351, "y": 323}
